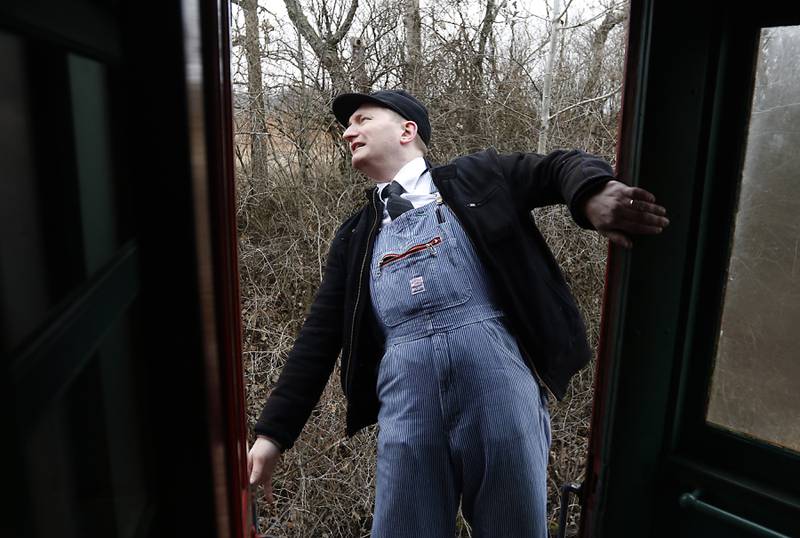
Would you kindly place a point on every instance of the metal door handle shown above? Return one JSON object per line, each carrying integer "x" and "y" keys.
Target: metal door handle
{"x": 691, "y": 501}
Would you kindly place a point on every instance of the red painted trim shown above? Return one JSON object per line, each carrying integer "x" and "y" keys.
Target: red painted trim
{"x": 593, "y": 486}
{"x": 222, "y": 208}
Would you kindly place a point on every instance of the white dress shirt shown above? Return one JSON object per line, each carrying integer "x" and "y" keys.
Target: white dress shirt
{"x": 416, "y": 180}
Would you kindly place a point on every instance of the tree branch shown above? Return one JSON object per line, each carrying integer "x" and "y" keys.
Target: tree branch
{"x": 345, "y": 27}
{"x": 586, "y": 101}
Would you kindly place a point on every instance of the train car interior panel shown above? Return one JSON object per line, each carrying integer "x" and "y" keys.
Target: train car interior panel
{"x": 122, "y": 394}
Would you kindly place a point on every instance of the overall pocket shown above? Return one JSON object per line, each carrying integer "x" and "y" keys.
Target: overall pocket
{"x": 508, "y": 353}
{"x": 419, "y": 277}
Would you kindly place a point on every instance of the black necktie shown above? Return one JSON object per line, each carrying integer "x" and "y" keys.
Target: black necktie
{"x": 396, "y": 205}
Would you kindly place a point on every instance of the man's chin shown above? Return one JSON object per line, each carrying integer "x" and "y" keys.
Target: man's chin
{"x": 362, "y": 165}
{"x": 357, "y": 161}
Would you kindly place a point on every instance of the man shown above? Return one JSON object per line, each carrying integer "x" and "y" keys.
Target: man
{"x": 452, "y": 317}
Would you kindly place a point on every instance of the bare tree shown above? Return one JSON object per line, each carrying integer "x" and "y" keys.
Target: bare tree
{"x": 255, "y": 86}
{"x": 613, "y": 18}
{"x": 325, "y": 43}
{"x": 476, "y": 72}
{"x": 487, "y": 25}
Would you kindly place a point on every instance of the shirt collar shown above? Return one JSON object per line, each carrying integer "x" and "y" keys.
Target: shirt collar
{"x": 411, "y": 176}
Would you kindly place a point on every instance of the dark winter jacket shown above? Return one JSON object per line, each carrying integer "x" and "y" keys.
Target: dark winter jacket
{"x": 492, "y": 196}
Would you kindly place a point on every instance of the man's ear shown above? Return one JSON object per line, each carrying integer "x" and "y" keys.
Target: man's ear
{"x": 409, "y": 132}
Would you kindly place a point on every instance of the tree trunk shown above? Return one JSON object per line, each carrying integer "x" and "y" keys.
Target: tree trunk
{"x": 476, "y": 74}
{"x": 358, "y": 66}
{"x": 255, "y": 88}
{"x": 412, "y": 68}
{"x": 548, "y": 77}
{"x": 612, "y": 19}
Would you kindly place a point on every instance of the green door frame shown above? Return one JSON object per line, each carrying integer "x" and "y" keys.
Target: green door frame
{"x": 689, "y": 77}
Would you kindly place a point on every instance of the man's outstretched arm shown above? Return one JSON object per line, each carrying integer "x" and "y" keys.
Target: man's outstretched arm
{"x": 586, "y": 184}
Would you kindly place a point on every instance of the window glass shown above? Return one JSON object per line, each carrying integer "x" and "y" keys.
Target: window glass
{"x": 93, "y": 158}
{"x": 755, "y": 387}
{"x": 60, "y": 209}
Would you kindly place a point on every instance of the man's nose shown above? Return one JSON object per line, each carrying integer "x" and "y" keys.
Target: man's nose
{"x": 349, "y": 133}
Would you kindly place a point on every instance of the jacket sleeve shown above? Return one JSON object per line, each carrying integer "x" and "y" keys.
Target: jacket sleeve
{"x": 312, "y": 357}
{"x": 560, "y": 177}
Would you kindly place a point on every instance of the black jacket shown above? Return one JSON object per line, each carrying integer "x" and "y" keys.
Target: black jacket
{"x": 492, "y": 195}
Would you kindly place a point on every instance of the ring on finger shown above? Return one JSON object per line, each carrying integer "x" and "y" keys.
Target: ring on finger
{"x": 631, "y": 203}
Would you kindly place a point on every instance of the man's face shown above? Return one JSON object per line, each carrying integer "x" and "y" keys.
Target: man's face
{"x": 373, "y": 134}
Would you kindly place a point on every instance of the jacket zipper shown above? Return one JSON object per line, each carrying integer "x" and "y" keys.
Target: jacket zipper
{"x": 391, "y": 258}
{"x": 347, "y": 368}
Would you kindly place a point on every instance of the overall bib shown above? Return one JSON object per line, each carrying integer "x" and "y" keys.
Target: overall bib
{"x": 461, "y": 418}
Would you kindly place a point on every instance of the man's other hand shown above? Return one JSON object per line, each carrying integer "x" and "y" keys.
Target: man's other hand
{"x": 618, "y": 211}
{"x": 261, "y": 462}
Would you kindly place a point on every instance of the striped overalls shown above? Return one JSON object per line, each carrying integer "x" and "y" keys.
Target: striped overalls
{"x": 461, "y": 416}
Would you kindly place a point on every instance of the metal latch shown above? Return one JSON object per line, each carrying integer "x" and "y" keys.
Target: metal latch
{"x": 566, "y": 490}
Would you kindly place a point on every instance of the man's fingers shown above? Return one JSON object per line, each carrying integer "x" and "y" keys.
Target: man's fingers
{"x": 639, "y": 228}
{"x": 255, "y": 479}
{"x": 262, "y": 459}
{"x": 646, "y": 207}
{"x": 262, "y": 474}
{"x": 256, "y": 471}
{"x": 636, "y": 217}
{"x": 635, "y": 193}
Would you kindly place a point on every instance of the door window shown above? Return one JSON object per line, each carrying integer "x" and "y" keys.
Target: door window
{"x": 755, "y": 388}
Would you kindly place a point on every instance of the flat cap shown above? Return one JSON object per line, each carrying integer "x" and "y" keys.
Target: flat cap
{"x": 400, "y": 101}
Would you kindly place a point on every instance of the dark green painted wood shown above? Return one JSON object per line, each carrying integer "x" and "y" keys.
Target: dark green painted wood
{"x": 670, "y": 162}
{"x": 685, "y": 145}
